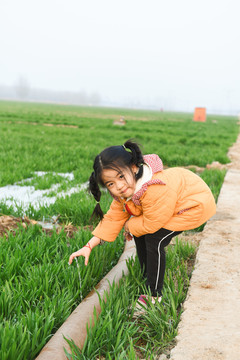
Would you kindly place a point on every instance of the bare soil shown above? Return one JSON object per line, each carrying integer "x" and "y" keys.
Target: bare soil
{"x": 9, "y": 224}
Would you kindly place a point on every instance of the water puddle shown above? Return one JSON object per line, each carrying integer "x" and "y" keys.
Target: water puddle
{"x": 18, "y": 195}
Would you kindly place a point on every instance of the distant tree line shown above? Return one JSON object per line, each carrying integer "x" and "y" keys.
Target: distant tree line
{"x": 23, "y": 91}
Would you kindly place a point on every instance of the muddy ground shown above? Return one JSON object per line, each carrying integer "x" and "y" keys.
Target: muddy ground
{"x": 9, "y": 224}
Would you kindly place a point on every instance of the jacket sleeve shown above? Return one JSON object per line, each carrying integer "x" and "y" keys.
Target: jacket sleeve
{"x": 158, "y": 205}
{"x": 112, "y": 222}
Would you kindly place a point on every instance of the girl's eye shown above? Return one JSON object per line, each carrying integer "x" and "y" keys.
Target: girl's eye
{"x": 109, "y": 184}
{"x": 121, "y": 176}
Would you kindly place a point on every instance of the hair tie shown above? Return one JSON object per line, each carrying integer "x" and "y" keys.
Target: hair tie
{"x": 128, "y": 150}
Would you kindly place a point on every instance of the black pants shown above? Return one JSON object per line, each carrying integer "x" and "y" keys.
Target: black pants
{"x": 152, "y": 258}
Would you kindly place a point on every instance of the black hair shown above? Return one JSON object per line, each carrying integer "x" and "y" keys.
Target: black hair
{"x": 114, "y": 158}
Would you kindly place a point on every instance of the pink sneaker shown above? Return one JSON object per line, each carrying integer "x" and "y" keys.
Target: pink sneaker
{"x": 141, "y": 306}
{"x": 143, "y": 302}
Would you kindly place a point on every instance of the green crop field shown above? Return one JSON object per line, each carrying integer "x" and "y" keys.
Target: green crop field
{"x": 38, "y": 290}
{"x": 29, "y": 144}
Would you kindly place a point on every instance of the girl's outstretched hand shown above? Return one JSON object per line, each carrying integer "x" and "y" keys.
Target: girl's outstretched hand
{"x": 84, "y": 251}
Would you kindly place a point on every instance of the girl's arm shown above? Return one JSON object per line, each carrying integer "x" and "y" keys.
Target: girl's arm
{"x": 112, "y": 223}
{"x": 85, "y": 250}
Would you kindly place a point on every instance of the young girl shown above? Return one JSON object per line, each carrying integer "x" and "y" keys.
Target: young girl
{"x": 153, "y": 205}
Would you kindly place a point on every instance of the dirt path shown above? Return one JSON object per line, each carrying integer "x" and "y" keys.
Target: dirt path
{"x": 210, "y": 325}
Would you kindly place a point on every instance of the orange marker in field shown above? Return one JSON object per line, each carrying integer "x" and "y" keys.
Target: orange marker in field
{"x": 199, "y": 114}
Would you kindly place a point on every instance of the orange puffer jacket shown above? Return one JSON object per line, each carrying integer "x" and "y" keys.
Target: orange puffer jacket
{"x": 175, "y": 199}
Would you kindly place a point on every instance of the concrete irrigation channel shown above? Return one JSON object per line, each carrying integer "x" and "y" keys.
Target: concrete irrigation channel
{"x": 210, "y": 324}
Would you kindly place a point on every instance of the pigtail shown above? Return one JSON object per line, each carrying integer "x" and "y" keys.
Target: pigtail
{"x": 95, "y": 190}
{"x": 137, "y": 156}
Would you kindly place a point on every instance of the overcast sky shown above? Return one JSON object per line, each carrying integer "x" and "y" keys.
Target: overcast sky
{"x": 172, "y": 54}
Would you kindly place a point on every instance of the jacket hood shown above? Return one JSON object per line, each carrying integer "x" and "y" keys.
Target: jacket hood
{"x": 154, "y": 162}
{"x": 156, "y": 165}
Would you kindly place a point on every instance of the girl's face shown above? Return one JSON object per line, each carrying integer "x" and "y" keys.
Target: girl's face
{"x": 120, "y": 184}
